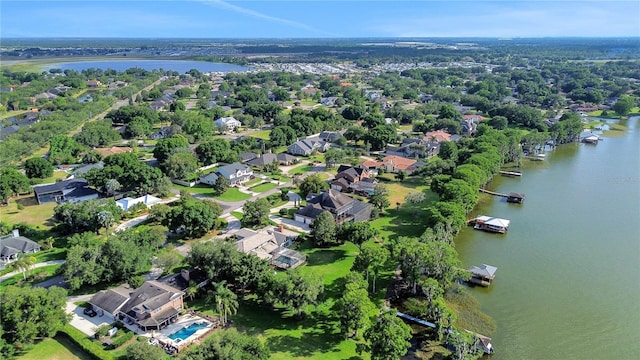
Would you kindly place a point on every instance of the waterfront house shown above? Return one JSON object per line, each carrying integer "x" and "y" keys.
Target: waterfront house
{"x": 395, "y": 164}
{"x": 342, "y": 207}
{"x": 270, "y": 244}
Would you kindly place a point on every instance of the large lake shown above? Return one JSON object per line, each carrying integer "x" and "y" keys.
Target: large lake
{"x": 181, "y": 66}
{"x": 568, "y": 279}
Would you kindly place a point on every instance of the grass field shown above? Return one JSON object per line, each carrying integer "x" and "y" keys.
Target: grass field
{"x": 253, "y": 182}
{"x": 201, "y": 189}
{"x": 57, "y": 348}
{"x": 57, "y": 175}
{"x": 301, "y": 169}
{"x": 232, "y": 195}
{"x": 262, "y": 134}
{"x": 32, "y": 213}
{"x": 263, "y": 187}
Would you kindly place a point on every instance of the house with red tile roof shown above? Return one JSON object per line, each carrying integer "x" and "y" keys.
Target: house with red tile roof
{"x": 439, "y": 136}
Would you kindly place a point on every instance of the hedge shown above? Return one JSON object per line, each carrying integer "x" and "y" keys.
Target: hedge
{"x": 91, "y": 347}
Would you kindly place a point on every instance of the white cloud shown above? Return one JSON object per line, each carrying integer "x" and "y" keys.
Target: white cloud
{"x": 259, "y": 15}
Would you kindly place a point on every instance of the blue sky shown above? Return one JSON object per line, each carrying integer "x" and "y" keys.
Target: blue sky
{"x": 318, "y": 19}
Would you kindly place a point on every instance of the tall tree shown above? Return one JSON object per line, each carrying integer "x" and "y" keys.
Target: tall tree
{"x": 256, "y": 213}
{"x": 225, "y": 300}
{"x": 29, "y": 313}
{"x": 323, "y": 230}
{"x": 312, "y": 184}
{"x": 388, "y": 338}
{"x": 380, "y": 197}
{"x": 371, "y": 259}
{"x": 221, "y": 185}
{"x": 354, "y": 309}
{"x": 38, "y": 167}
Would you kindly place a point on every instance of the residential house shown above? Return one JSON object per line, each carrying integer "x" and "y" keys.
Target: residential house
{"x": 235, "y": 173}
{"x": 269, "y": 158}
{"x": 270, "y": 244}
{"x": 307, "y": 146}
{"x": 354, "y": 179}
{"x": 229, "y": 123}
{"x": 152, "y": 306}
{"x": 342, "y": 207}
{"x": 244, "y": 157}
{"x": 93, "y": 83}
{"x": 328, "y": 101}
{"x": 80, "y": 171}
{"x": 395, "y": 164}
{"x": 185, "y": 277}
{"x": 12, "y": 245}
{"x": 72, "y": 190}
{"x": 330, "y": 136}
{"x": 127, "y": 203}
{"x": 414, "y": 148}
{"x": 438, "y": 136}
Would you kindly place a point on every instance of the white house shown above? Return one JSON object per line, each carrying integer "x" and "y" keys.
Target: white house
{"x": 236, "y": 173}
{"x": 229, "y": 123}
{"x": 127, "y": 203}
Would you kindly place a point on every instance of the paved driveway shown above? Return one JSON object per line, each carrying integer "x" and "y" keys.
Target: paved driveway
{"x": 82, "y": 322}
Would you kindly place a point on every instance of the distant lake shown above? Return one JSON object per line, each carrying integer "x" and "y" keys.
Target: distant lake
{"x": 181, "y": 66}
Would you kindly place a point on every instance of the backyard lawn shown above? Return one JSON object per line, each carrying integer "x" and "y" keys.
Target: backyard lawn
{"x": 58, "y": 348}
{"x": 263, "y": 187}
{"x": 32, "y": 213}
{"x": 34, "y": 276}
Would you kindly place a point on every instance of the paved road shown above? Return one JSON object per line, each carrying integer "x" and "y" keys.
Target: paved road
{"x": 35, "y": 266}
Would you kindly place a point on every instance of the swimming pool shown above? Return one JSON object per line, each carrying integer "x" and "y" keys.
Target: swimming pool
{"x": 187, "y": 331}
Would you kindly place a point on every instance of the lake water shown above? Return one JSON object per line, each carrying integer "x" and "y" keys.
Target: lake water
{"x": 568, "y": 279}
{"x": 181, "y": 66}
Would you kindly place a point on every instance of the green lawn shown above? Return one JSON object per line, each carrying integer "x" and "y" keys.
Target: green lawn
{"x": 58, "y": 348}
{"x": 253, "y": 182}
{"x": 315, "y": 336}
{"x": 232, "y": 195}
{"x": 263, "y": 187}
{"x": 262, "y": 134}
{"x": 201, "y": 189}
{"x": 237, "y": 214}
{"x": 301, "y": 169}
{"x": 57, "y": 175}
{"x": 32, "y": 213}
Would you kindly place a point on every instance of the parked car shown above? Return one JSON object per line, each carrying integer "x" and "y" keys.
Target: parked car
{"x": 90, "y": 312}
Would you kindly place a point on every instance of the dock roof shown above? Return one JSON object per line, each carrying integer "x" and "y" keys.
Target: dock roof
{"x": 494, "y": 221}
{"x": 484, "y": 270}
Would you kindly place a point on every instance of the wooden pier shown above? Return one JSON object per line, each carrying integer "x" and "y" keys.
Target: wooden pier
{"x": 481, "y": 342}
{"x": 512, "y": 197}
{"x": 510, "y": 173}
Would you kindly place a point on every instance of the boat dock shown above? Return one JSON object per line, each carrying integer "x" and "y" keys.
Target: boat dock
{"x": 482, "y": 275}
{"x": 511, "y": 197}
{"x": 490, "y": 223}
{"x": 481, "y": 342}
{"x": 510, "y": 173}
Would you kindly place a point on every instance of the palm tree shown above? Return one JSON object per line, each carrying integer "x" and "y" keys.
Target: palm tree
{"x": 47, "y": 243}
{"x": 225, "y": 301}
{"x": 105, "y": 219}
{"x": 192, "y": 290}
{"x": 23, "y": 264}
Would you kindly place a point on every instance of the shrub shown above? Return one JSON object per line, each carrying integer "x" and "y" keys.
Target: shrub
{"x": 126, "y": 336}
{"x": 89, "y": 346}
{"x": 136, "y": 281}
{"x": 102, "y": 331}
